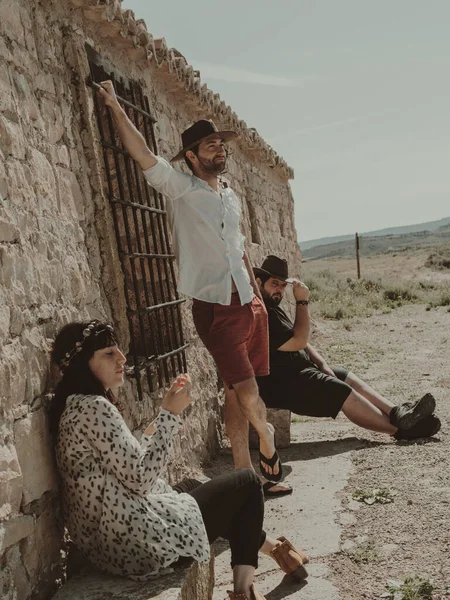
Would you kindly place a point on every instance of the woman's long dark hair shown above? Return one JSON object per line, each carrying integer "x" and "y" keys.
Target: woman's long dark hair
{"x": 77, "y": 377}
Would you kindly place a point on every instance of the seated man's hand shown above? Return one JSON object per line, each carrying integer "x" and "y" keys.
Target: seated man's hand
{"x": 326, "y": 369}
{"x": 300, "y": 290}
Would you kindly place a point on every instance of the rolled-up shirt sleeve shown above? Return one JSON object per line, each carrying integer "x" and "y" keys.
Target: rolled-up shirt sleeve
{"x": 136, "y": 464}
{"x": 167, "y": 180}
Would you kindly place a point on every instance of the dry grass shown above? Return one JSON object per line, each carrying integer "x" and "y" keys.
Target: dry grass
{"x": 364, "y": 553}
{"x": 439, "y": 259}
{"x": 337, "y": 297}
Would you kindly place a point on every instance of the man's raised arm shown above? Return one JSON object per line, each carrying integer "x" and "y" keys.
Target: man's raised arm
{"x": 130, "y": 136}
{"x": 299, "y": 339}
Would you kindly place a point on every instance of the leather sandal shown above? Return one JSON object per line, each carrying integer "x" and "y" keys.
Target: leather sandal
{"x": 290, "y": 560}
{"x": 254, "y": 595}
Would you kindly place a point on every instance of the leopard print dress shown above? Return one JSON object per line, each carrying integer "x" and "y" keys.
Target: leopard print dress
{"x": 122, "y": 516}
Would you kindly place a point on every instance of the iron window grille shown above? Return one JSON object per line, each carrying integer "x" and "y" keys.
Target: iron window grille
{"x": 157, "y": 345}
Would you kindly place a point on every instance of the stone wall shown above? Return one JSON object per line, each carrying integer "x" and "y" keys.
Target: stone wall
{"x": 58, "y": 259}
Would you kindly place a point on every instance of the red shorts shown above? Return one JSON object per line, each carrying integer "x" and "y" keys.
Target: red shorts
{"x": 236, "y": 336}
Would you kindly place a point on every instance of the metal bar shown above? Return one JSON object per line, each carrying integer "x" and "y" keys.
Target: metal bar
{"x": 158, "y": 306}
{"x": 152, "y": 359}
{"x": 135, "y": 255}
{"x": 96, "y": 86}
{"x": 117, "y": 149}
{"x": 139, "y": 206}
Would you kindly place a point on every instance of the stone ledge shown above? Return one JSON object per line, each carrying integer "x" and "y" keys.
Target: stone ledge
{"x": 281, "y": 420}
{"x": 193, "y": 581}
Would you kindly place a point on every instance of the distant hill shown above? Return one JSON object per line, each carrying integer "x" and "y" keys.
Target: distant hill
{"x": 429, "y": 226}
{"x": 380, "y": 244}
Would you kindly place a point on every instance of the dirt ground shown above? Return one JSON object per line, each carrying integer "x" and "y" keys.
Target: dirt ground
{"x": 403, "y": 354}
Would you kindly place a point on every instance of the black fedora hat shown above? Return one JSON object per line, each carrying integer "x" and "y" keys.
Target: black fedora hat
{"x": 199, "y": 131}
{"x": 274, "y": 267}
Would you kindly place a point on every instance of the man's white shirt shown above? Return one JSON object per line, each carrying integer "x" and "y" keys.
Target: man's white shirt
{"x": 206, "y": 236}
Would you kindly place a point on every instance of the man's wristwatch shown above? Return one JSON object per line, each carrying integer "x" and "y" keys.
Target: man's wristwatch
{"x": 303, "y": 302}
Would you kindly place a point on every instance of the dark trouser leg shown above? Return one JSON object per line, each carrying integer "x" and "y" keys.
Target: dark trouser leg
{"x": 186, "y": 485}
{"x": 232, "y": 507}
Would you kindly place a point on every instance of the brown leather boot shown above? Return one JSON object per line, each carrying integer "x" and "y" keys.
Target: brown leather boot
{"x": 290, "y": 560}
{"x": 254, "y": 595}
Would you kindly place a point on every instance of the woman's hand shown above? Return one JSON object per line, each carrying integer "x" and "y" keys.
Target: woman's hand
{"x": 179, "y": 395}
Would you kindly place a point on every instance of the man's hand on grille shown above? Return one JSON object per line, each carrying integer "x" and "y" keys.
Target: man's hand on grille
{"x": 108, "y": 93}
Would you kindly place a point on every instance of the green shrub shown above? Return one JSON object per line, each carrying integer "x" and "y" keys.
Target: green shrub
{"x": 399, "y": 293}
{"x": 440, "y": 259}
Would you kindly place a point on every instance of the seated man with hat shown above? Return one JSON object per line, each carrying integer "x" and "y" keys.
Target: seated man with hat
{"x": 204, "y": 214}
{"x": 300, "y": 379}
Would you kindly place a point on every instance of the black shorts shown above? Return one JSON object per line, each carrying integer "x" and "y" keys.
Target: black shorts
{"x": 312, "y": 393}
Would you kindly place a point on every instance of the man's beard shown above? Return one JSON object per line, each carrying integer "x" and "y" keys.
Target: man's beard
{"x": 271, "y": 301}
{"x": 212, "y": 167}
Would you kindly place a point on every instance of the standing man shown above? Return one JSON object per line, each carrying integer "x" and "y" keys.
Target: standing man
{"x": 204, "y": 213}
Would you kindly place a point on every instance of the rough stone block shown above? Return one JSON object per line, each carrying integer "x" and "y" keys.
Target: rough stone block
{"x": 8, "y": 232}
{"x": 43, "y": 180}
{"x": 7, "y": 104}
{"x": 53, "y": 120}
{"x": 70, "y": 194}
{"x": 14, "y": 584}
{"x": 12, "y": 381}
{"x": 12, "y": 140}
{"x": 41, "y": 551}
{"x": 14, "y": 530}
{"x": 5, "y": 314}
{"x": 60, "y": 155}
{"x": 10, "y": 21}
{"x": 10, "y": 481}
{"x": 33, "y": 446}
{"x": 192, "y": 582}
{"x": 281, "y": 420}
{"x": 45, "y": 83}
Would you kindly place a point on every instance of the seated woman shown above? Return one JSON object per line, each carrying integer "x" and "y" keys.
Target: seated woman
{"x": 120, "y": 514}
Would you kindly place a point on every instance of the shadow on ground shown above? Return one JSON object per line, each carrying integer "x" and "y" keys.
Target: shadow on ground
{"x": 285, "y": 589}
{"x": 298, "y": 451}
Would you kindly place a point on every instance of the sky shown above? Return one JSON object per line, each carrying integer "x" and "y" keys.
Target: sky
{"x": 353, "y": 94}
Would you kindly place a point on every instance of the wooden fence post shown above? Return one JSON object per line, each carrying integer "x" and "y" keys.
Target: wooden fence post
{"x": 358, "y": 267}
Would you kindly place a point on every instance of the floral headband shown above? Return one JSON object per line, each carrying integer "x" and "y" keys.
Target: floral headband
{"x": 94, "y": 328}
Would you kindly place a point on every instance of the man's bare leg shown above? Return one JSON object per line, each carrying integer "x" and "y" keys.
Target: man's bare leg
{"x": 363, "y": 413}
{"x": 236, "y": 425}
{"x": 254, "y": 410}
{"x": 369, "y": 393}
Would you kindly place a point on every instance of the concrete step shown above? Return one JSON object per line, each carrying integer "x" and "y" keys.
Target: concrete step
{"x": 190, "y": 582}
